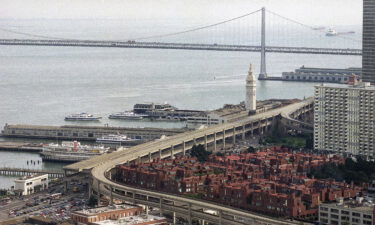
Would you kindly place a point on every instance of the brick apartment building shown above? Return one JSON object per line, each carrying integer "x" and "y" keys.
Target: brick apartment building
{"x": 273, "y": 181}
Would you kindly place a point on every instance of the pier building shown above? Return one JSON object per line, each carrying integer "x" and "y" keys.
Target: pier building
{"x": 85, "y": 133}
{"x": 326, "y": 75}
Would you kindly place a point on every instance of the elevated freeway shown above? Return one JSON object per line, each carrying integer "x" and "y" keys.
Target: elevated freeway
{"x": 102, "y": 167}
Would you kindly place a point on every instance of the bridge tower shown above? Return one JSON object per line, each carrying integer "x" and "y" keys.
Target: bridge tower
{"x": 263, "y": 73}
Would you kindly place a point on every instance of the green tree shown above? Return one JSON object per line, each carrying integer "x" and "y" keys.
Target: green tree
{"x": 200, "y": 153}
{"x": 219, "y": 154}
{"x": 251, "y": 149}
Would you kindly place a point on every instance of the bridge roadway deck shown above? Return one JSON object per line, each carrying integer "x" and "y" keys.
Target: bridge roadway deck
{"x": 185, "y": 46}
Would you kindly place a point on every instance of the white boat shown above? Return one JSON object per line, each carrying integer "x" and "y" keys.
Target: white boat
{"x": 82, "y": 117}
{"x": 117, "y": 139}
{"x": 127, "y": 115}
{"x": 331, "y": 32}
{"x": 71, "y": 151}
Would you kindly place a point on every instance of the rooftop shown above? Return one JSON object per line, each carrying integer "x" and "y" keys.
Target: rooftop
{"x": 30, "y": 177}
{"x": 360, "y": 204}
{"x": 360, "y": 85}
{"x": 132, "y": 220}
{"x": 94, "y": 211}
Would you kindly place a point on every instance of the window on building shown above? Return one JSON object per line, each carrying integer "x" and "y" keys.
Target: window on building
{"x": 356, "y": 214}
{"x": 335, "y": 210}
{"x": 367, "y": 216}
{"x": 355, "y": 220}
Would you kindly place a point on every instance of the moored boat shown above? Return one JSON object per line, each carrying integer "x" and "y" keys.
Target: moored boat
{"x": 127, "y": 115}
{"x": 71, "y": 151}
{"x": 117, "y": 139}
{"x": 82, "y": 117}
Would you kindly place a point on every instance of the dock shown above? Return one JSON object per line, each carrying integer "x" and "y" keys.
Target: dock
{"x": 20, "y": 146}
{"x": 85, "y": 133}
{"x": 9, "y": 171}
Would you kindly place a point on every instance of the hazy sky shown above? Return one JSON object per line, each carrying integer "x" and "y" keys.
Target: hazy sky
{"x": 333, "y": 12}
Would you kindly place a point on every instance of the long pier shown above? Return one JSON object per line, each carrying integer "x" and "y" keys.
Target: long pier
{"x": 183, "y": 46}
{"x": 9, "y": 171}
{"x": 84, "y": 133}
{"x": 20, "y": 146}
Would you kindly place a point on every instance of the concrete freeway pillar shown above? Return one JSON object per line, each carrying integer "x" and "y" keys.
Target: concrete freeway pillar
{"x": 183, "y": 148}
{"x": 220, "y": 218}
{"x": 174, "y": 217}
{"x": 160, "y": 153}
{"x": 260, "y": 127}
{"x": 234, "y": 135}
{"x": 205, "y": 141}
{"x": 189, "y": 216}
{"x": 90, "y": 187}
{"x": 243, "y": 133}
{"x": 172, "y": 152}
{"x": 149, "y": 157}
{"x": 98, "y": 193}
{"x": 161, "y": 206}
{"x": 111, "y": 195}
{"x": 146, "y": 207}
{"x": 215, "y": 142}
{"x": 223, "y": 139}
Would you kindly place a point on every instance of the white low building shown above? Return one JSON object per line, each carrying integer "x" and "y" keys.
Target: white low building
{"x": 31, "y": 184}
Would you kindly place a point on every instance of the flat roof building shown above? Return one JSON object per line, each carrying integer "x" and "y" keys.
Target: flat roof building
{"x": 136, "y": 220}
{"x": 322, "y": 75}
{"x": 30, "y": 184}
{"x": 344, "y": 119}
{"x": 114, "y": 212}
{"x": 368, "y": 43}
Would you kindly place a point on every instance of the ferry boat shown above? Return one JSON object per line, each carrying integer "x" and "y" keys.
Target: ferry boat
{"x": 331, "y": 32}
{"x": 117, "y": 139}
{"x": 127, "y": 115}
{"x": 318, "y": 28}
{"x": 147, "y": 107}
{"x": 71, "y": 152}
{"x": 82, "y": 117}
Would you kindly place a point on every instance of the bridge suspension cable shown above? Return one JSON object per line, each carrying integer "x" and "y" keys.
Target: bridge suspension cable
{"x": 33, "y": 35}
{"x": 308, "y": 26}
{"x": 198, "y": 28}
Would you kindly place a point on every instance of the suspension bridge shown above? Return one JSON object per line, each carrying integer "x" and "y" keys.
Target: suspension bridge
{"x": 245, "y": 38}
